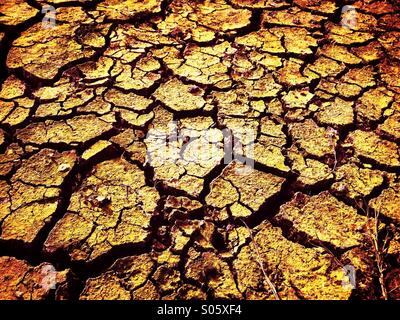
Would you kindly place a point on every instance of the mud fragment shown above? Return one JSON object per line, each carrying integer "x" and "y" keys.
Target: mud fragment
{"x": 357, "y": 182}
{"x": 60, "y": 45}
{"x": 324, "y": 218}
{"x": 236, "y": 188}
{"x": 113, "y": 207}
{"x": 296, "y": 272}
{"x": 388, "y": 202}
{"x": 370, "y": 146}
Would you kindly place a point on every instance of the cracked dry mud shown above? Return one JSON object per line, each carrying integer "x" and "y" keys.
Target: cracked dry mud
{"x": 95, "y": 204}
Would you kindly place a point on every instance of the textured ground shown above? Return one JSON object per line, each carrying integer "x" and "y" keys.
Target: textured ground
{"x": 85, "y": 189}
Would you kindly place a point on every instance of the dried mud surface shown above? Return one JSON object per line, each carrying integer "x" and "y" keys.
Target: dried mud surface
{"x": 85, "y": 191}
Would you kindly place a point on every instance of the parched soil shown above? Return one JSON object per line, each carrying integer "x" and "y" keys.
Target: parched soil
{"x": 118, "y": 179}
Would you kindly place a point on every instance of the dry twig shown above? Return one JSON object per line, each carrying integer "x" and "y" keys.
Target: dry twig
{"x": 261, "y": 264}
{"x": 379, "y": 250}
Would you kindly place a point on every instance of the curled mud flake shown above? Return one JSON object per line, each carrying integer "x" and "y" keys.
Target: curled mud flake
{"x": 80, "y": 129}
{"x": 113, "y": 207}
{"x": 13, "y": 13}
{"x": 296, "y": 272}
{"x": 61, "y": 45}
{"x": 337, "y": 113}
{"x": 315, "y": 140}
{"x": 236, "y": 187}
{"x": 206, "y": 234}
{"x": 368, "y": 145}
{"x": 355, "y": 182}
{"x": 121, "y": 281}
{"x": 209, "y": 268}
{"x": 178, "y": 96}
{"x": 21, "y": 281}
{"x": 128, "y": 9}
{"x": 324, "y": 218}
{"x": 138, "y": 120}
{"x": 388, "y": 202}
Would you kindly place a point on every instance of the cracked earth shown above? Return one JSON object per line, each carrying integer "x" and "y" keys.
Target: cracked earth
{"x": 87, "y": 193}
